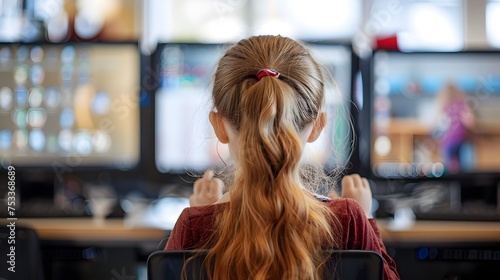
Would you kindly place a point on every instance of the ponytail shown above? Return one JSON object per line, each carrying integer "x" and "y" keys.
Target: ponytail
{"x": 272, "y": 228}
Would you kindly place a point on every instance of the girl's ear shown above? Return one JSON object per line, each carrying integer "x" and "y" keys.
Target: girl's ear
{"x": 318, "y": 126}
{"x": 219, "y": 128}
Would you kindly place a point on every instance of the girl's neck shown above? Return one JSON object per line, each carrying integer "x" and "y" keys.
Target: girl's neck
{"x": 224, "y": 198}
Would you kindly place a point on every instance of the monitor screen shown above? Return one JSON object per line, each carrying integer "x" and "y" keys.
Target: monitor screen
{"x": 435, "y": 114}
{"x": 184, "y": 138}
{"x": 70, "y": 104}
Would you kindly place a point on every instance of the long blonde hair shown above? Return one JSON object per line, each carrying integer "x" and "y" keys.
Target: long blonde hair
{"x": 272, "y": 228}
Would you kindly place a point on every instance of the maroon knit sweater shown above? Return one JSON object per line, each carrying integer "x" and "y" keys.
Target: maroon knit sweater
{"x": 195, "y": 226}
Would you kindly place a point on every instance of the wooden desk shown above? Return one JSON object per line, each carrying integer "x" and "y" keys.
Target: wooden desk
{"x": 85, "y": 229}
{"x": 436, "y": 250}
{"x": 126, "y": 251}
{"x": 442, "y": 231}
{"x": 80, "y": 248}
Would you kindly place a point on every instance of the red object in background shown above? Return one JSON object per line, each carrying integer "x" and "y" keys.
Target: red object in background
{"x": 387, "y": 43}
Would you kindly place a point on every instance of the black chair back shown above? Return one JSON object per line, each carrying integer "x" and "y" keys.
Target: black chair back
{"x": 21, "y": 256}
{"x": 342, "y": 265}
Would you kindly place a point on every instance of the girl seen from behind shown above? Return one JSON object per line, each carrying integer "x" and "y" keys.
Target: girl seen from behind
{"x": 268, "y": 102}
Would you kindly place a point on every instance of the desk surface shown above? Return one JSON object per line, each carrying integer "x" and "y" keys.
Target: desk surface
{"x": 88, "y": 230}
{"x": 442, "y": 231}
{"x": 85, "y": 229}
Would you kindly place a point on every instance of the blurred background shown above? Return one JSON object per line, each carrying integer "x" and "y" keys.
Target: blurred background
{"x": 103, "y": 108}
{"x": 443, "y": 25}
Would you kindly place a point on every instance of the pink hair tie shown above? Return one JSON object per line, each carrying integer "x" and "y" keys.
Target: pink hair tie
{"x": 267, "y": 72}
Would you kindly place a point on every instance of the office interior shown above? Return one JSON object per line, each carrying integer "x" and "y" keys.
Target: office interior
{"x": 103, "y": 126}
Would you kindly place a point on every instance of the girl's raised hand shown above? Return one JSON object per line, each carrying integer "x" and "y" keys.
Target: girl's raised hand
{"x": 357, "y": 188}
{"x": 206, "y": 190}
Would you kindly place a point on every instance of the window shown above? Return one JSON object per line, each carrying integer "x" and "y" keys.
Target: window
{"x": 307, "y": 20}
{"x": 230, "y": 20}
{"x": 493, "y": 23}
{"x": 419, "y": 25}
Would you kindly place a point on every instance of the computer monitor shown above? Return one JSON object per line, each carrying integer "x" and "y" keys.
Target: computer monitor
{"x": 69, "y": 104}
{"x": 185, "y": 141}
{"x": 433, "y": 115}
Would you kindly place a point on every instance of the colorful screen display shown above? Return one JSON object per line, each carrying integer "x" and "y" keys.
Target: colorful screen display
{"x": 69, "y": 105}
{"x": 184, "y": 137}
{"x": 435, "y": 114}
